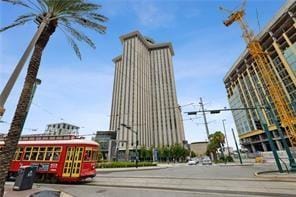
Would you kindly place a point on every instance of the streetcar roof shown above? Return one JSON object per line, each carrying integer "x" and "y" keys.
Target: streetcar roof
{"x": 55, "y": 142}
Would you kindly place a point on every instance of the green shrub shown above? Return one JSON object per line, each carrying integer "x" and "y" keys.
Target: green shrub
{"x": 229, "y": 159}
{"x": 124, "y": 164}
{"x": 224, "y": 159}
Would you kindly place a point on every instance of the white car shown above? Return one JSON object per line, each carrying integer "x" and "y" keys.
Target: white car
{"x": 206, "y": 161}
{"x": 193, "y": 162}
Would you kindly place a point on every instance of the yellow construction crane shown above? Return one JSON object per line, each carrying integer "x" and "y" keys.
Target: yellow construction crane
{"x": 283, "y": 109}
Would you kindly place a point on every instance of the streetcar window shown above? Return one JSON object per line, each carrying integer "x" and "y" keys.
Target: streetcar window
{"x": 48, "y": 156}
{"x": 57, "y": 149}
{"x": 87, "y": 155}
{"x": 56, "y": 154}
{"x": 41, "y": 153}
{"x": 95, "y": 155}
{"x": 27, "y": 153}
{"x": 34, "y": 153}
{"x": 18, "y": 154}
{"x": 80, "y": 153}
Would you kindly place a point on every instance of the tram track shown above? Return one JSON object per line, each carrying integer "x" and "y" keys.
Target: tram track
{"x": 194, "y": 190}
{"x": 196, "y": 185}
{"x": 265, "y": 179}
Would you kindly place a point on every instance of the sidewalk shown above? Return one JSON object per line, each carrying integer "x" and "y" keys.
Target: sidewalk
{"x": 107, "y": 170}
{"x": 291, "y": 177}
{"x": 234, "y": 164}
{"x": 36, "y": 191}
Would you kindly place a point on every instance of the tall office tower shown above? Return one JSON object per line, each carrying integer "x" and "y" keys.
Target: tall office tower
{"x": 144, "y": 94}
{"x": 245, "y": 87}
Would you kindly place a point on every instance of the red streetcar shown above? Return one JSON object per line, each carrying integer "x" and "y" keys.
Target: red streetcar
{"x": 58, "y": 158}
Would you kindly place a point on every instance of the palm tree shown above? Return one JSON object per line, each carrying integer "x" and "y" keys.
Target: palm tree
{"x": 62, "y": 14}
{"x": 216, "y": 141}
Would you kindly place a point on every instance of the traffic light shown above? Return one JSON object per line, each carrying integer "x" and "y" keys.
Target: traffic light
{"x": 215, "y": 111}
{"x": 258, "y": 124}
{"x": 192, "y": 113}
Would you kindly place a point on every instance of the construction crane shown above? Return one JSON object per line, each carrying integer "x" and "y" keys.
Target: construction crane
{"x": 284, "y": 111}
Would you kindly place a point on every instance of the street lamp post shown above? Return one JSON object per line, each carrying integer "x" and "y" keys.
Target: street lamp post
{"x": 226, "y": 137}
{"x": 137, "y": 141}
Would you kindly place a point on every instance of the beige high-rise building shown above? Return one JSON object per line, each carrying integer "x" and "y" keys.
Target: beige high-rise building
{"x": 144, "y": 94}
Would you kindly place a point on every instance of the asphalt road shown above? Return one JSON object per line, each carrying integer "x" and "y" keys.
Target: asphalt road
{"x": 184, "y": 181}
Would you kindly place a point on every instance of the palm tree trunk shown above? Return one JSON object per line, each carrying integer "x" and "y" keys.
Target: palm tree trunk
{"x": 20, "y": 114}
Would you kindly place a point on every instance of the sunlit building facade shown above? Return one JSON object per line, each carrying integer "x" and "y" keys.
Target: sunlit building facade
{"x": 144, "y": 94}
{"x": 244, "y": 85}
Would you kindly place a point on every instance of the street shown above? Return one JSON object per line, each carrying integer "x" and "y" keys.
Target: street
{"x": 187, "y": 181}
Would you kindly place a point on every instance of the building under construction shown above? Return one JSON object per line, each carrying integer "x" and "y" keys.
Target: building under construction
{"x": 246, "y": 86}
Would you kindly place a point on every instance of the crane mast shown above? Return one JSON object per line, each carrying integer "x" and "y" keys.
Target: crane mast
{"x": 267, "y": 75}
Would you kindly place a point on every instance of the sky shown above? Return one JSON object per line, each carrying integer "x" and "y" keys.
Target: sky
{"x": 79, "y": 92}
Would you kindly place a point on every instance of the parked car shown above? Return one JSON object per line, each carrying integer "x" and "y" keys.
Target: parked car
{"x": 206, "y": 161}
{"x": 193, "y": 162}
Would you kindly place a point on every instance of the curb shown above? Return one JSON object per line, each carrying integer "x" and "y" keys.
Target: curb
{"x": 277, "y": 177}
{"x": 99, "y": 171}
{"x": 229, "y": 165}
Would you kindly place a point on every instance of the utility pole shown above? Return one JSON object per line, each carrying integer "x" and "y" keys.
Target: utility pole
{"x": 10, "y": 83}
{"x": 204, "y": 116}
{"x": 237, "y": 149}
{"x": 226, "y": 137}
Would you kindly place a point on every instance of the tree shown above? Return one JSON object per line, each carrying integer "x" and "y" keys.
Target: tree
{"x": 143, "y": 153}
{"x": 166, "y": 153}
{"x": 192, "y": 154}
{"x": 150, "y": 154}
{"x": 63, "y": 14}
{"x": 160, "y": 153}
{"x": 216, "y": 141}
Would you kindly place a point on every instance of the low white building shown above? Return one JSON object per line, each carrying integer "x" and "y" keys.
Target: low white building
{"x": 61, "y": 129}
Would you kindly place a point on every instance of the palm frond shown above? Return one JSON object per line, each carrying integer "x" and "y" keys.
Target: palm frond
{"x": 17, "y": 2}
{"x": 21, "y": 22}
{"x": 78, "y": 35}
{"x": 67, "y": 13}
{"x": 74, "y": 46}
{"x": 98, "y": 17}
{"x": 42, "y": 5}
{"x": 90, "y": 24}
{"x": 34, "y": 5}
{"x": 25, "y": 16}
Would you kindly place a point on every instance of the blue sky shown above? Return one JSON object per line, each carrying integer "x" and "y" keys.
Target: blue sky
{"x": 80, "y": 92}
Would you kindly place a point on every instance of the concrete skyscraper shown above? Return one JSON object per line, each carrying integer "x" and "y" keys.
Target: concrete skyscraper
{"x": 144, "y": 94}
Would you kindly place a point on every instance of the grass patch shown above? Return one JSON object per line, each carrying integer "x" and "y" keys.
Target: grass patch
{"x": 124, "y": 164}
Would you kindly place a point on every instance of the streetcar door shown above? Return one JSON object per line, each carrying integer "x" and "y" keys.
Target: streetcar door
{"x": 76, "y": 166}
{"x": 68, "y": 161}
